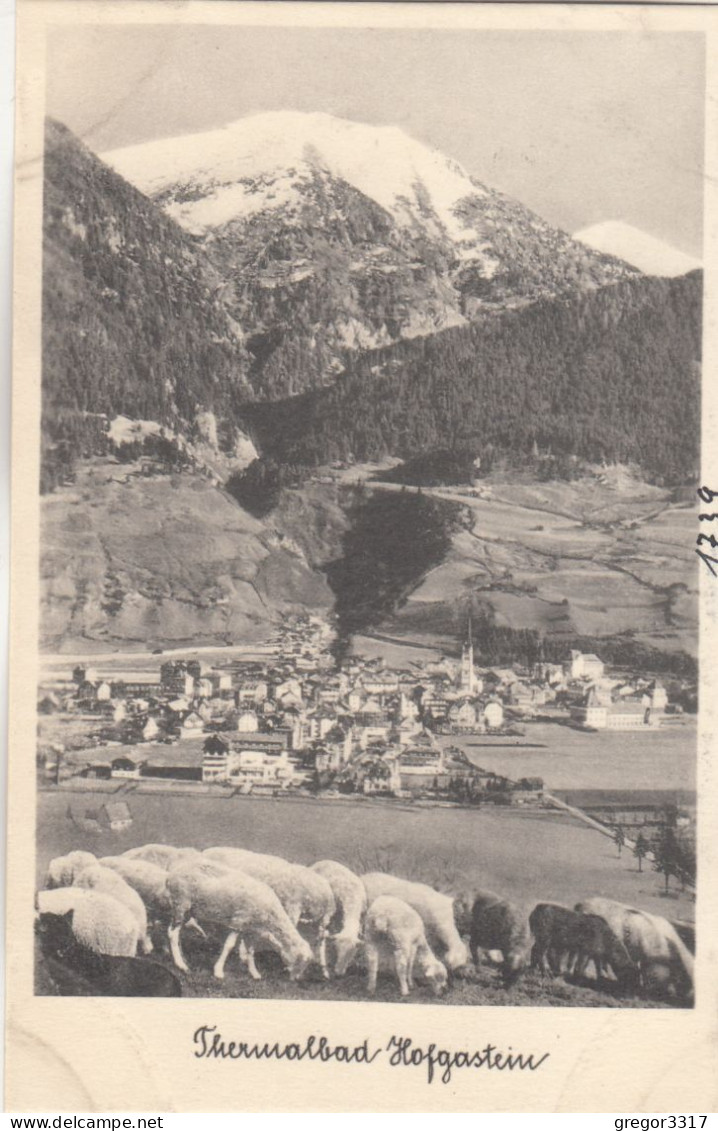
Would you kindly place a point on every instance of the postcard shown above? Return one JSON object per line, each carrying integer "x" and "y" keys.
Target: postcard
{"x": 364, "y": 559}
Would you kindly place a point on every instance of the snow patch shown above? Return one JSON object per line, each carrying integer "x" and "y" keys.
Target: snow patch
{"x": 238, "y": 201}
{"x": 402, "y": 175}
{"x": 650, "y": 255}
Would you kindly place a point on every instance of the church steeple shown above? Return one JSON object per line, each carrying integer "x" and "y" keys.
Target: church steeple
{"x": 468, "y": 675}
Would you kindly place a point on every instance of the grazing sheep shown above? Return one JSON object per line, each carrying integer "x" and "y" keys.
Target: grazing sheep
{"x": 72, "y": 970}
{"x": 148, "y": 880}
{"x": 562, "y": 934}
{"x": 350, "y": 897}
{"x": 163, "y": 855}
{"x": 305, "y": 895}
{"x": 150, "y": 883}
{"x": 97, "y": 878}
{"x": 686, "y": 933}
{"x": 99, "y": 922}
{"x": 62, "y": 870}
{"x": 394, "y": 930}
{"x": 662, "y": 958}
{"x": 435, "y": 909}
{"x": 246, "y": 907}
{"x": 497, "y": 924}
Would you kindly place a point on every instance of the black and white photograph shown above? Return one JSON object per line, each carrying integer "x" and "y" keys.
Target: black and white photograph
{"x": 369, "y": 478}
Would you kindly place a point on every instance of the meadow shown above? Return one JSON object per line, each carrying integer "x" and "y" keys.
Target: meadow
{"x": 596, "y": 556}
{"x": 567, "y": 758}
{"x": 527, "y": 856}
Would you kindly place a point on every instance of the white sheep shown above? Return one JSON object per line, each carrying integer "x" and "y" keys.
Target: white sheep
{"x": 163, "y": 855}
{"x": 99, "y": 921}
{"x": 62, "y": 870}
{"x": 305, "y": 895}
{"x": 436, "y": 911}
{"x": 248, "y": 908}
{"x": 148, "y": 880}
{"x": 150, "y": 883}
{"x": 350, "y": 897}
{"x": 393, "y": 930}
{"x": 99, "y": 878}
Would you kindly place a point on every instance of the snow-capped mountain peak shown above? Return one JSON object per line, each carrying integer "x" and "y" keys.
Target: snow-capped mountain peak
{"x": 336, "y": 236}
{"x": 650, "y": 255}
{"x": 260, "y": 162}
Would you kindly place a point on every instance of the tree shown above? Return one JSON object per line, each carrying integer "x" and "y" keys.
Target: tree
{"x": 666, "y": 853}
{"x": 640, "y": 849}
{"x": 619, "y": 839}
{"x": 686, "y": 862}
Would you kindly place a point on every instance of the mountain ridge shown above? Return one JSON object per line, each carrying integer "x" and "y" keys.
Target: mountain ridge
{"x": 338, "y": 236}
{"x": 339, "y": 336}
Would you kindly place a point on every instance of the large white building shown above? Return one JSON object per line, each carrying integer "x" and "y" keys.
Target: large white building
{"x": 585, "y": 665}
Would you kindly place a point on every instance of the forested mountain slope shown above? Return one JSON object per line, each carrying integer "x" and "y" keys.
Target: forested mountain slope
{"x": 133, "y": 322}
{"x": 608, "y": 375}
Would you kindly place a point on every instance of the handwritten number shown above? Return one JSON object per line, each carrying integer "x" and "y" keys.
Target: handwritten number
{"x": 706, "y": 495}
{"x": 707, "y": 559}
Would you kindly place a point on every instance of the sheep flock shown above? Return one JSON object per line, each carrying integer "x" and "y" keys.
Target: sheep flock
{"x": 121, "y": 925}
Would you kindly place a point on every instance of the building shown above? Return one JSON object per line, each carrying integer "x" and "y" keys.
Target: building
{"x": 178, "y": 677}
{"x": 126, "y": 766}
{"x": 247, "y": 722}
{"x": 191, "y": 725}
{"x": 631, "y": 716}
{"x": 659, "y": 697}
{"x": 181, "y": 761}
{"x": 246, "y": 767}
{"x": 215, "y": 753}
{"x": 469, "y": 685}
{"x": 464, "y": 717}
{"x": 526, "y": 696}
{"x": 221, "y": 685}
{"x": 493, "y": 715}
{"x": 115, "y": 816}
{"x": 585, "y": 665}
{"x": 592, "y": 712}
{"x": 252, "y": 691}
{"x": 150, "y": 730}
{"x": 619, "y": 715}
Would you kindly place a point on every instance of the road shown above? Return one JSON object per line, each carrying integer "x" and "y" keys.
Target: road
{"x": 49, "y": 660}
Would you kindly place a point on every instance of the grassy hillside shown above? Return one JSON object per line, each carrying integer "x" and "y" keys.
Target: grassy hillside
{"x": 133, "y": 561}
{"x": 527, "y": 856}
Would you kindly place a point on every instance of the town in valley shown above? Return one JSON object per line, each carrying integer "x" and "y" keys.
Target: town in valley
{"x": 287, "y": 719}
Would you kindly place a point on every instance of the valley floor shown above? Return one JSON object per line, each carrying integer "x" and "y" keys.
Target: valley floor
{"x": 566, "y": 758}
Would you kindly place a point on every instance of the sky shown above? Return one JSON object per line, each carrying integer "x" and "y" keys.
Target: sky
{"x": 582, "y": 127}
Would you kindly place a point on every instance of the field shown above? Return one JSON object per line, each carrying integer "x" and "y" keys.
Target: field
{"x": 528, "y": 856}
{"x": 598, "y": 556}
{"x": 572, "y": 759}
